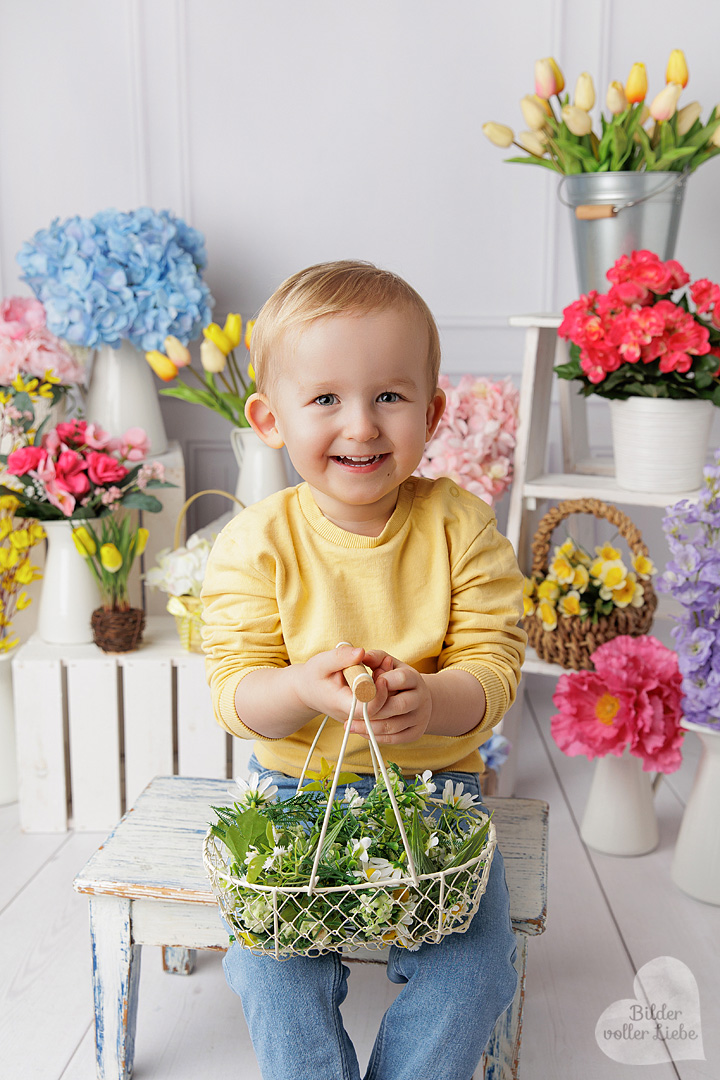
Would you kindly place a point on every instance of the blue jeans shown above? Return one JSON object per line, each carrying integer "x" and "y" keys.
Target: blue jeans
{"x": 436, "y": 1029}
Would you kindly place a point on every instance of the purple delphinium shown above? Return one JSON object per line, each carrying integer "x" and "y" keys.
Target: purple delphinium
{"x": 692, "y": 576}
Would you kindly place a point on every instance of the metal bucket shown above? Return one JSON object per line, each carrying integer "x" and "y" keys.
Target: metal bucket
{"x": 650, "y": 224}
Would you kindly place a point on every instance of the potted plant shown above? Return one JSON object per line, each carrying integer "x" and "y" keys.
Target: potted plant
{"x": 180, "y": 573}
{"x": 651, "y": 346}
{"x": 110, "y": 549}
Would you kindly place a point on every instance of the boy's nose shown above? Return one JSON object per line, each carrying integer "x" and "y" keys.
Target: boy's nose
{"x": 360, "y": 425}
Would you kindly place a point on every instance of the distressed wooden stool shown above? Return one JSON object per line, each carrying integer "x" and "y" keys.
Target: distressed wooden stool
{"x": 147, "y": 886}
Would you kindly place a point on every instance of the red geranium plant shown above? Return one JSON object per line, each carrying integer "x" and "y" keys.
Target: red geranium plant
{"x": 642, "y": 338}
{"x": 78, "y": 471}
{"x": 632, "y": 700}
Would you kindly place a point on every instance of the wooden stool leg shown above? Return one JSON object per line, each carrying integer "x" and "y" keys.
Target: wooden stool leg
{"x": 178, "y": 961}
{"x": 503, "y": 1051}
{"x": 116, "y": 973}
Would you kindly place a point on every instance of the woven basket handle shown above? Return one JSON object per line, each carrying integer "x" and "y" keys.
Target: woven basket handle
{"x": 548, "y": 524}
{"x": 188, "y": 502}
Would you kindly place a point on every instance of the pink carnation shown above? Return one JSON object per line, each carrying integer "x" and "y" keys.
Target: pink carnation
{"x": 631, "y": 700}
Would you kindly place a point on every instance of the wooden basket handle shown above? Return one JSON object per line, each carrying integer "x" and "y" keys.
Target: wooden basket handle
{"x": 359, "y": 680}
{"x": 548, "y": 524}
{"x": 595, "y": 211}
{"x": 188, "y": 502}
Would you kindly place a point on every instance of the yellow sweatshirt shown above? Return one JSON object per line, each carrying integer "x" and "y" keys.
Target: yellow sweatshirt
{"x": 439, "y": 588}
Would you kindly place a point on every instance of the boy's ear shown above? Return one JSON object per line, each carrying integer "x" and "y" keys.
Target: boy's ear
{"x": 261, "y": 418}
{"x": 434, "y": 413}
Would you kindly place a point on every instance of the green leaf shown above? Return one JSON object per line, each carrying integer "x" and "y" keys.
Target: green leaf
{"x": 534, "y": 161}
{"x": 140, "y": 500}
{"x": 570, "y": 370}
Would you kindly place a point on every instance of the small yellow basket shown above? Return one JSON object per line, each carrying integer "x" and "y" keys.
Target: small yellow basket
{"x": 187, "y": 610}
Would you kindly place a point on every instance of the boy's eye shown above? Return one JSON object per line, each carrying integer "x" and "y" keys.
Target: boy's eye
{"x": 388, "y": 396}
{"x": 325, "y": 399}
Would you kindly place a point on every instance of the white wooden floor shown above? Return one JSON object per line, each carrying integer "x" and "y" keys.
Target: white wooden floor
{"x": 606, "y": 918}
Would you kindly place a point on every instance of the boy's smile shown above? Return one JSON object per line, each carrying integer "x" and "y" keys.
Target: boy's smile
{"x": 352, "y": 403}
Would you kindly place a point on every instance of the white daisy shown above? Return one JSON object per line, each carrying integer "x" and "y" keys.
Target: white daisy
{"x": 453, "y": 796}
{"x": 253, "y": 791}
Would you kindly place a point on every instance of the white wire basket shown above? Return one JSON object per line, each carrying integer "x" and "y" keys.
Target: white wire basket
{"x": 404, "y": 907}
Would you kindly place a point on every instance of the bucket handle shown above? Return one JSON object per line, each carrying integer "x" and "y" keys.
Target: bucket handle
{"x": 595, "y": 211}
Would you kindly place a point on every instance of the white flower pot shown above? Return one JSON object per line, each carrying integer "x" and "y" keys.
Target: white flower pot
{"x": 121, "y": 394}
{"x": 660, "y": 444}
{"x": 8, "y": 764}
{"x": 620, "y": 817}
{"x": 70, "y": 593}
{"x": 263, "y": 470}
{"x": 696, "y": 862}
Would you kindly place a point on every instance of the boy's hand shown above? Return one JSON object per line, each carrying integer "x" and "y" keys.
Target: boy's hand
{"x": 321, "y": 686}
{"x": 402, "y": 707}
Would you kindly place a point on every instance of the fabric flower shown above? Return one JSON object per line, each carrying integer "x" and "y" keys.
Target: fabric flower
{"x": 253, "y": 791}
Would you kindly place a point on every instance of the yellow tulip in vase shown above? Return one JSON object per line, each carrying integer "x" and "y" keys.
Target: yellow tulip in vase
{"x": 111, "y": 547}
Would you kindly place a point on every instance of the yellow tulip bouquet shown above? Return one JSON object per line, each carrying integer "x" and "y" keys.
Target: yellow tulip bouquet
{"x": 17, "y": 537}
{"x": 225, "y": 384}
{"x": 111, "y": 549}
{"x": 561, "y": 135}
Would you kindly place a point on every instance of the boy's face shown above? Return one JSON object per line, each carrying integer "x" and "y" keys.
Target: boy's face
{"x": 351, "y": 403}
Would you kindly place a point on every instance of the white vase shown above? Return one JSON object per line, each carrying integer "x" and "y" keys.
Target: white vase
{"x": 660, "y": 444}
{"x": 696, "y": 862}
{"x": 69, "y": 593}
{"x": 620, "y": 817}
{"x": 121, "y": 394}
{"x": 8, "y": 764}
{"x": 263, "y": 470}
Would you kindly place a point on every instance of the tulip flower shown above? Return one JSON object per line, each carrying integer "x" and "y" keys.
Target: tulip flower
{"x": 84, "y": 542}
{"x": 677, "y": 71}
{"x": 176, "y": 351}
{"x": 687, "y": 116}
{"x": 548, "y": 78}
{"x": 636, "y": 85}
{"x": 665, "y": 103}
{"x": 534, "y": 142}
{"x": 715, "y": 138}
{"x": 584, "y": 92}
{"x": 218, "y": 337}
{"x": 251, "y": 372}
{"x": 141, "y": 541}
{"x": 212, "y": 358}
{"x": 161, "y": 365}
{"x": 233, "y": 329}
{"x": 249, "y": 327}
{"x": 110, "y": 558}
{"x": 533, "y": 113}
{"x": 578, "y": 121}
{"x": 498, "y": 134}
{"x": 616, "y": 100}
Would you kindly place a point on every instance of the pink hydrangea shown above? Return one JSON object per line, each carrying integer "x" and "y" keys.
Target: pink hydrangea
{"x": 631, "y": 700}
{"x": 28, "y": 348}
{"x": 475, "y": 439}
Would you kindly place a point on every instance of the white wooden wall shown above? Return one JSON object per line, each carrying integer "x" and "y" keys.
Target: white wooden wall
{"x": 291, "y": 132}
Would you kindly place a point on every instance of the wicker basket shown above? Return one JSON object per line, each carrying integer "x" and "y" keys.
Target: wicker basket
{"x": 187, "y": 610}
{"x": 574, "y": 640}
{"x": 312, "y": 919}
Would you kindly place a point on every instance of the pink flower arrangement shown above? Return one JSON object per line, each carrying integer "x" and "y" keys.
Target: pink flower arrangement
{"x": 475, "y": 439}
{"x": 636, "y": 340}
{"x": 78, "y": 471}
{"x": 27, "y": 347}
{"x": 631, "y": 700}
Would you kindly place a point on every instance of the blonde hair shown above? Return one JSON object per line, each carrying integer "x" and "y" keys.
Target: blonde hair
{"x": 333, "y": 288}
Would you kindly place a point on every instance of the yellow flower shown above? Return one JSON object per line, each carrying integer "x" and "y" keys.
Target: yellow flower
{"x": 528, "y": 607}
{"x": 548, "y": 590}
{"x": 677, "y": 70}
{"x": 534, "y": 114}
{"x": 37, "y": 533}
{"x": 8, "y": 643}
{"x": 615, "y": 99}
{"x": 110, "y": 558}
{"x": 8, "y": 558}
{"x": 249, "y": 327}
{"x": 629, "y": 593}
{"x": 607, "y": 551}
{"x": 9, "y": 503}
{"x": 28, "y": 387}
{"x": 218, "y": 337}
{"x": 535, "y": 142}
{"x": 45, "y": 390}
{"x": 142, "y": 539}
{"x": 499, "y": 134}
{"x": 577, "y": 120}
{"x": 613, "y": 574}
{"x": 570, "y": 603}
{"x": 24, "y": 574}
{"x": 581, "y": 577}
{"x": 20, "y": 539}
{"x": 562, "y": 570}
{"x": 606, "y": 708}
{"x": 5, "y": 527}
{"x": 177, "y": 353}
{"x": 584, "y": 92}
{"x": 84, "y": 542}
{"x": 567, "y": 548}
{"x": 643, "y": 566}
{"x": 528, "y": 586}
{"x": 687, "y": 116}
{"x": 637, "y": 84}
{"x": 548, "y": 78}
{"x": 161, "y": 364}
{"x": 233, "y": 329}
{"x": 251, "y": 372}
{"x": 212, "y": 358}
{"x": 547, "y": 614}
{"x": 23, "y": 601}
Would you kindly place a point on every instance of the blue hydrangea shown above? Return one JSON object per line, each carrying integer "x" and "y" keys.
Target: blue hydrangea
{"x": 135, "y": 275}
{"x": 692, "y": 576}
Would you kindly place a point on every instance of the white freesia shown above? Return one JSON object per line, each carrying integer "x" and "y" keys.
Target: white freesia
{"x": 181, "y": 571}
{"x": 253, "y": 791}
{"x": 426, "y": 787}
{"x": 453, "y": 796}
{"x": 359, "y": 848}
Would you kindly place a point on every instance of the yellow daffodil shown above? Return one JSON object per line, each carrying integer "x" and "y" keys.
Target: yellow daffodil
{"x": 249, "y": 327}
{"x": 607, "y": 551}
{"x": 637, "y": 85}
{"x": 528, "y": 607}
{"x": 629, "y": 593}
{"x": 177, "y": 353}
{"x": 217, "y": 335}
{"x": 161, "y": 364}
{"x": 233, "y": 329}
{"x": 567, "y": 548}
{"x": 562, "y": 570}
{"x": 606, "y": 708}
{"x": 643, "y": 566}
{"x": 110, "y": 558}
{"x": 581, "y": 578}
{"x": 569, "y": 604}
{"x": 613, "y": 574}
{"x": 547, "y": 614}
{"x": 84, "y": 542}
{"x": 212, "y": 358}
{"x": 528, "y": 586}
{"x": 548, "y": 590}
